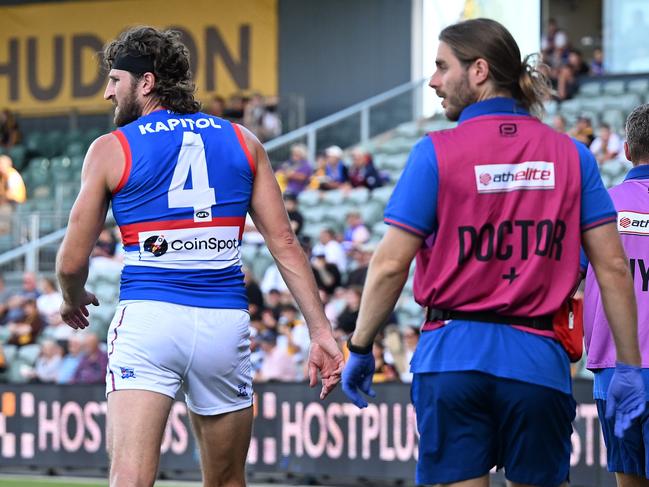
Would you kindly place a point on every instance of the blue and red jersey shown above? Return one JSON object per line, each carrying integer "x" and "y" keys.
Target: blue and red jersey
{"x": 181, "y": 206}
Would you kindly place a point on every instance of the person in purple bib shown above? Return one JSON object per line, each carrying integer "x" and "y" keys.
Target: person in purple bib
{"x": 495, "y": 211}
{"x": 628, "y": 453}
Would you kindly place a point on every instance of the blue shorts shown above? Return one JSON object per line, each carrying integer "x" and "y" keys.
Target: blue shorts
{"x": 470, "y": 422}
{"x": 630, "y": 454}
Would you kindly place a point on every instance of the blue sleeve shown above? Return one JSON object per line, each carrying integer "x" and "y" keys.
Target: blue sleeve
{"x": 583, "y": 260}
{"x": 596, "y": 205}
{"x": 413, "y": 204}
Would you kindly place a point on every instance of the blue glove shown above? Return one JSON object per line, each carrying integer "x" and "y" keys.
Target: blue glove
{"x": 626, "y": 396}
{"x": 357, "y": 375}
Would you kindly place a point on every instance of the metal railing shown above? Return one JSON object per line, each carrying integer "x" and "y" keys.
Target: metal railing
{"x": 370, "y": 117}
{"x": 408, "y": 100}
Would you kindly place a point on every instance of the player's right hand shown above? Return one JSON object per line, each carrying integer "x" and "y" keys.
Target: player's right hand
{"x": 76, "y": 315}
{"x": 357, "y": 376}
{"x": 626, "y": 396}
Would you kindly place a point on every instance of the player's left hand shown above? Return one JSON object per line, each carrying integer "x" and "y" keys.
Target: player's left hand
{"x": 326, "y": 357}
{"x": 357, "y": 377}
{"x": 76, "y": 315}
{"x": 626, "y": 396}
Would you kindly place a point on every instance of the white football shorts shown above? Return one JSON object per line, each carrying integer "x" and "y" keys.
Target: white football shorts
{"x": 159, "y": 346}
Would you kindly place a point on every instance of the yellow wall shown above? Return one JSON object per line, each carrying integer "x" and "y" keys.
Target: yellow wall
{"x": 48, "y": 59}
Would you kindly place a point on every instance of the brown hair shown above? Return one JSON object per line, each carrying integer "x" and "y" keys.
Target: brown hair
{"x": 637, "y": 134}
{"x": 174, "y": 86}
{"x": 491, "y": 41}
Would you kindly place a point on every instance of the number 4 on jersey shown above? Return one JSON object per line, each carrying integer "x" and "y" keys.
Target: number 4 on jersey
{"x": 200, "y": 197}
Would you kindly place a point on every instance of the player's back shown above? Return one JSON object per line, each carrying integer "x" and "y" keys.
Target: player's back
{"x": 181, "y": 206}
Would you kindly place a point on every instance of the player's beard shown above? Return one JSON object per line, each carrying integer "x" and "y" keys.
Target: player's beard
{"x": 457, "y": 96}
{"x": 128, "y": 110}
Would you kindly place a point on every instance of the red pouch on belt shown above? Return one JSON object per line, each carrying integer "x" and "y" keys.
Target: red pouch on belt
{"x": 568, "y": 326}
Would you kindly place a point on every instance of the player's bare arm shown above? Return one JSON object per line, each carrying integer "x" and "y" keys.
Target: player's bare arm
{"x": 101, "y": 172}
{"x": 270, "y": 217}
{"x": 386, "y": 277}
{"x": 605, "y": 252}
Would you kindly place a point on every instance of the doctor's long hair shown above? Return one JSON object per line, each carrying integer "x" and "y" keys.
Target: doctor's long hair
{"x": 491, "y": 41}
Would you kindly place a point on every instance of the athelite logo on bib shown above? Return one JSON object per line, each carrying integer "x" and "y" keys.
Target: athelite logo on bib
{"x": 500, "y": 178}
{"x": 187, "y": 248}
{"x": 633, "y": 223}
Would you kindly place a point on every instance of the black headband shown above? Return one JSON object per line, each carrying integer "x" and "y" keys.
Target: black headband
{"x": 134, "y": 64}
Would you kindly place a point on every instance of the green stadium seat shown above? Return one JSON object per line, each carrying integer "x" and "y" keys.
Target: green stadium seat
{"x": 358, "y": 196}
{"x": 53, "y": 143}
{"x": 590, "y": 88}
{"x": 76, "y": 162}
{"x": 309, "y": 197}
{"x": 410, "y": 129}
{"x": 29, "y": 353}
{"x": 615, "y": 119}
{"x": 573, "y": 106}
{"x": 333, "y": 197}
{"x": 76, "y": 148}
{"x": 34, "y": 142}
{"x": 382, "y": 195}
{"x": 613, "y": 87}
{"x": 18, "y": 154}
{"x": 551, "y": 107}
{"x": 638, "y": 86}
{"x": 372, "y": 213}
{"x": 248, "y": 253}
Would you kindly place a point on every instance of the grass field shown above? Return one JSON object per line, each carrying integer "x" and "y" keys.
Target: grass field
{"x": 31, "y": 481}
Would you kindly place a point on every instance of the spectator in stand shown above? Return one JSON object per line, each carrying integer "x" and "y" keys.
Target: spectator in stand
{"x": 16, "y": 192}
{"x": 347, "y": 319}
{"x": 383, "y": 372}
{"x": 607, "y": 145}
{"x": 273, "y": 280}
{"x": 597, "y": 63}
{"x": 356, "y": 233}
{"x": 294, "y": 215}
{"x": 71, "y": 360}
{"x": 327, "y": 275}
{"x": 336, "y": 171}
{"x": 296, "y": 172}
{"x": 50, "y": 300}
{"x": 48, "y": 362}
{"x": 235, "y": 108}
{"x": 559, "y": 124}
{"x": 332, "y": 249}
{"x": 25, "y": 331}
{"x": 554, "y": 43}
{"x": 30, "y": 286}
{"x": 261, "y": 119}
{"x": 9, "y": 132}
{"x": 92, "y": 368}
{"x": 254, "y": 294}
{"x": 361, "y": 260}
{"x": 570, "y": 74}
{"x": 319, "y": 176}
{"x": 217, "y": 106}
{"x": 362, "y": 172}
{"x": 277, "y": 364}
{"x": 583, "y": 131}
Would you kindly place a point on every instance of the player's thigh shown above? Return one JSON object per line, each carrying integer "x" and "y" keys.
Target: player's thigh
{"x": 627, "y": 455}
{"x": 534, "y": 431}
{"x": 219, "y": 378}
{"x": 456, "y": 427}
{"x": 149, "y": 344}
{"x": 135, "y": 424}
{"x": 223, "y": 440}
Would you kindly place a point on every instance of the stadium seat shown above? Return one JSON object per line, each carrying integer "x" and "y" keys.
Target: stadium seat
{"x": 248, "y": 253}
{"x": 613, "y": 87}
{"x": 615, "y": 119}
{"x": 638, "y": 86}
{"x": 372, "y": 213}
{"x": 53, "y": 143}
{"x": 333, "y": 197}
{"x": 382, "y": 195}
{"x": 573, "y": 106}
{"x": 590, "y": 89}
{"x": 76, "y": 148}
{"x": 18, "y": 154}
{"x": 309, "y": 197}
{"x": 409, "y": 129}
{"x": 29, "y": 353}
{"x": 34, "y": 143}
{"x": 358, "y": 196}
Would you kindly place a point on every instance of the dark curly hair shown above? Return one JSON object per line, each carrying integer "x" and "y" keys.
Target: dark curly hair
{"x": 174, "y": 86}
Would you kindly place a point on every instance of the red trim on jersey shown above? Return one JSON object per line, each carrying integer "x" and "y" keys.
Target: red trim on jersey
{"x": 405, "y": 227}
{"x": 130, "y": 232}
{"x": 244, "y": 146}
{"x": 127, "y": 160}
